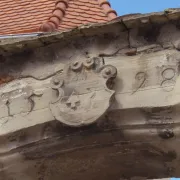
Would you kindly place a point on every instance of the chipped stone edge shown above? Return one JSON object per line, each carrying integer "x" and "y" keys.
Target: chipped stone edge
{"x": 19, "y": 44}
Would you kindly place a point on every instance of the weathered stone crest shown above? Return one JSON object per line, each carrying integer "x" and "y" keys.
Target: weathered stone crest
{"x": 83, "y": 92}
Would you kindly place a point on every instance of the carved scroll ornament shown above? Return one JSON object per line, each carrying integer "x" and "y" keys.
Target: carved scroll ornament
{"x": 83, "y": 92}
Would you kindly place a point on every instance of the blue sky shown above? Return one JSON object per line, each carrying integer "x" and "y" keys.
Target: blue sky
{"x": 142, "y": 6}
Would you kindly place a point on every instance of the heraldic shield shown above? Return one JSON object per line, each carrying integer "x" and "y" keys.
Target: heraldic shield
{"x": 83, "y": 92}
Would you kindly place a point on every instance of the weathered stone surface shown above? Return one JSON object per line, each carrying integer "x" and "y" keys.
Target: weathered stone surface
{"x": 138, "y": 133}
{"x": 155, "y": 74}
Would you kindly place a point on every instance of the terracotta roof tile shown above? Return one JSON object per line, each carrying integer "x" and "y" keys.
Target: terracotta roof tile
{"x": 22, "y": 16}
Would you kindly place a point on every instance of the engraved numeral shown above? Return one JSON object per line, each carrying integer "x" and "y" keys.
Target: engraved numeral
{"x": 168, "y": 82}
{"x": 140, "y": 80}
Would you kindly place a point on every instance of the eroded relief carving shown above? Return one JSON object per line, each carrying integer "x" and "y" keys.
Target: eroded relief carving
{"x": 83, "y": 93}
{"x": 140, "y": 80}
{"x": 168, "y": 79}
{"x": 19, "y": 100}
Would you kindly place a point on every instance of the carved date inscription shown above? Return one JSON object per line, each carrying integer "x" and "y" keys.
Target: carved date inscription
{"x": 140, "y": 80}
{"x": 19, "y": 101}
{"x": 167, "y": 79}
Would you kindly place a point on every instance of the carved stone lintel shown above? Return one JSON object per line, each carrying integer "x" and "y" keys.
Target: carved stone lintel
{"x": 84, "y": 92}
{"x": 18, "y": 101}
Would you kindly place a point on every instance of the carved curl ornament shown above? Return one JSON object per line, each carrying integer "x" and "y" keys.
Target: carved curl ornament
{"x": 83, "y": 92}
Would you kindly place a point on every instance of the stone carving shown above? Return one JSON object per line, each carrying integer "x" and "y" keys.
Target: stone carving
{"x": 140, "y": 80}
{"x": 83, "y": 92}
{"x": 18, "y": 101}
{"x": 168, "y": 81}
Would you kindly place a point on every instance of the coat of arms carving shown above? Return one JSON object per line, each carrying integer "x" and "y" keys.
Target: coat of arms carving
{"x": 83, "y": 93}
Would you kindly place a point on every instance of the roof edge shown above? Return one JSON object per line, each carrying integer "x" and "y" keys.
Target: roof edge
{"x": 57, "y": 15}
{"x": 8, "y": 46}
{"x": 106, "y": 6}
{"x": 60, "y": 9}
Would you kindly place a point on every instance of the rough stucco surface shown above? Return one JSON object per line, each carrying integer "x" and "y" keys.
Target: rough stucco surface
{"x": 138, "y": 135}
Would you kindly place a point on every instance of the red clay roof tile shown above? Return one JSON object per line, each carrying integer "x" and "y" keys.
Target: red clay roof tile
{"x": 26, "y": 16}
